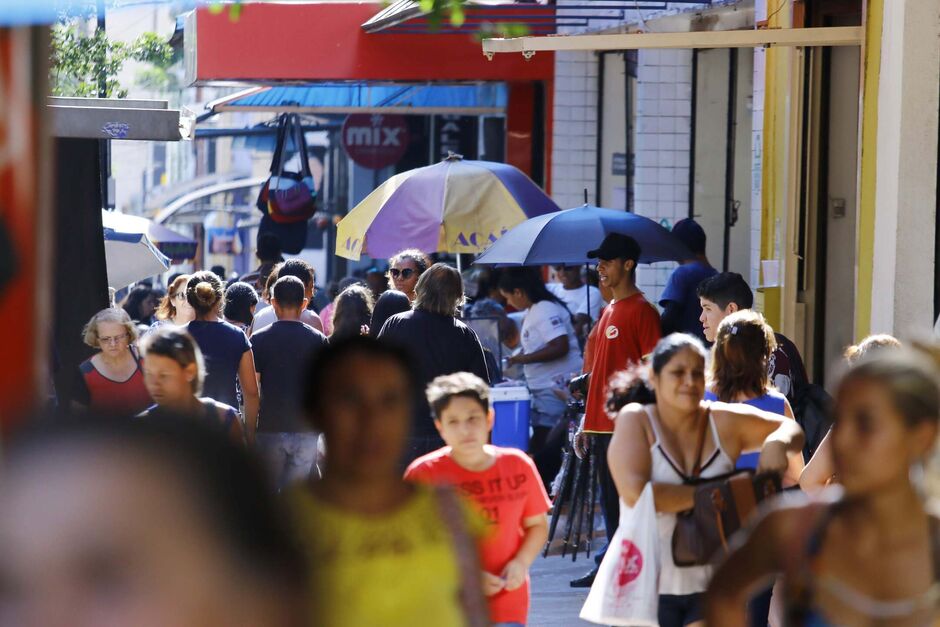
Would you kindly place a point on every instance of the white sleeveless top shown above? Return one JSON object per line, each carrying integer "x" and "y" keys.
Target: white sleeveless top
{"x": 672, "y": 578}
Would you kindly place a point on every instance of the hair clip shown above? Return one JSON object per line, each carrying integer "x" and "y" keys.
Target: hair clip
{"x": 734, "y": 330}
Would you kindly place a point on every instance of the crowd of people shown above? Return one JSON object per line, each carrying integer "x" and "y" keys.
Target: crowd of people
{"x": 333, "y": 465}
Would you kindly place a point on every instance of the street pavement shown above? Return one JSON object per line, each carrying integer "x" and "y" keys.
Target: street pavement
{"x": 554, "y": 603}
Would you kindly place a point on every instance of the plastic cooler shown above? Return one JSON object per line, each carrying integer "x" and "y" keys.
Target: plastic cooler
{"x": 511, "y": 427}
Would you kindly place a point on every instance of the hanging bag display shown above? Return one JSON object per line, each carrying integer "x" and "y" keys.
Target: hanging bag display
{"x": 289, "y": 197}
{"x": 626, "y": 588}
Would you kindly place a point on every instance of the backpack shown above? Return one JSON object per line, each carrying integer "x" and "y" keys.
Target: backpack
{"x": 812, "y": 408}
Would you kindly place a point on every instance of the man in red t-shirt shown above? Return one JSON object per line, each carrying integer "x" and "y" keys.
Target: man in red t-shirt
{"x": 627, "y": 331}
{"x": 503, "y": 482}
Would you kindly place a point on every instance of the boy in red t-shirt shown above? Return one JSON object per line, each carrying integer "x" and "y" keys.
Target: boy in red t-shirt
{"x": 503, "y": 482}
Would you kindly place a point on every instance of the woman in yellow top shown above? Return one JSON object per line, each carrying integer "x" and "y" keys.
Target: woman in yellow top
{"x": 384, "y": 552}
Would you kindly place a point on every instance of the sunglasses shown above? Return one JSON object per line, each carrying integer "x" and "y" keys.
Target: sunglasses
{"x": 407, "y": 273}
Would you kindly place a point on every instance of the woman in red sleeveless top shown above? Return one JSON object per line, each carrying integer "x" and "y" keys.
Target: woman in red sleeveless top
{"x": 111, "y": 381}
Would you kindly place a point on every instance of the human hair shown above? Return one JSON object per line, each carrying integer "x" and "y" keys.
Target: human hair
{"x": 412, "y": 254}
{"x": 178, "y": 345}
{"x": 910, "y": 380}
{"x": 111, "y": 314}
{"x": 632, "y": 385}
{"x": 530, "y": 282}
{"x": 351, "y": 310}
{"x": 744, "y": 343}
{"x": 289, "y": 292}
{"x": 131, "y": 303}
{"x": 439, "y": 290}
{"x": 726, "y": 288}
{"x": 298, "y": 268}
{"x": 166, "y": 310}
{"x": 390, "y": 303}
{"x": 317, "y": 378}
{"x": 226, "y": 484}
{"x": 205, "y": 293}
{"x": 869, "y": 346}
{"x": 691, "y": 233}
{"x": 442, "y": 389}
{"x": 240, "y": 297}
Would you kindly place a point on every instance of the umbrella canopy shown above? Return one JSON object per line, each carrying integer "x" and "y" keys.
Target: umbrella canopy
{"x": 175, "y": 246}
{"x": 565, "y": 237}
{"x": 131, "y": 257}
{"x": 455, "y": 206}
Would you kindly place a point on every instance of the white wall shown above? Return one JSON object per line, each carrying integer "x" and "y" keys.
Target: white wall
{"x": 906, "y": 171}
{"x": 663, "y": 122}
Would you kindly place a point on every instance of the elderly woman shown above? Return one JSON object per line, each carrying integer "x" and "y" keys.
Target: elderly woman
{"x": 174, "y": 308}
{"x": 404, "y": 270}
{"x": 439, "y": 343}
{"x": 111, "y": 381}
{"x": 174, "y": 374}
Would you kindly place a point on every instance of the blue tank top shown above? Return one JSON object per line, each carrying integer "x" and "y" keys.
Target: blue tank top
{"x": 773, "y": 402}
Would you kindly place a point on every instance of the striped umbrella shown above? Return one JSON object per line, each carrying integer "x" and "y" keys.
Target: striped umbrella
{"x": 454, "y": 206}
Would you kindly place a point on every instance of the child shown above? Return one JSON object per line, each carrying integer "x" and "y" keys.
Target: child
{"x": 503, "y": 482}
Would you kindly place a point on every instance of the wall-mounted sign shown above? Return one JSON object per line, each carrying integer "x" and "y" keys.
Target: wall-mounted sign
{"x": 375, "y": 141}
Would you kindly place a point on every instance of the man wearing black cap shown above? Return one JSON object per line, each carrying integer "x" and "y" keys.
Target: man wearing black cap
{"x": 627, "y": 331}
{"x": 679, "y": 300}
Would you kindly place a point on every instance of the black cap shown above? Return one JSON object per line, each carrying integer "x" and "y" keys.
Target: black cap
{"x": 616, "y": 246}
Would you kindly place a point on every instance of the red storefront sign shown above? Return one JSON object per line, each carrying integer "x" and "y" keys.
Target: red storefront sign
{"x": 375, "y": 141}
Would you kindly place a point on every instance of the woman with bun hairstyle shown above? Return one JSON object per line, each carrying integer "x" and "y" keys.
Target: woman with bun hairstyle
{"x": 225, "y": 347}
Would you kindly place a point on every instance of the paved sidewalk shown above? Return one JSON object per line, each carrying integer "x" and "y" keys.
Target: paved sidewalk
{"x": 554, "y": 603}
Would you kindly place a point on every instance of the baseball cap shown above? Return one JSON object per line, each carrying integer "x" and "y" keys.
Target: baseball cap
{"x": 690, "y": 233}
{"x": 616, "y": 246}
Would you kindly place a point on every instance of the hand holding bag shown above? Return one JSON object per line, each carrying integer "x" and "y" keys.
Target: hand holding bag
{"x": 626, "y": 588}
{"x": 721, "y": 507}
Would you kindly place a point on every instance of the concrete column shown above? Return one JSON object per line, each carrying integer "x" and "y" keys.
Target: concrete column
{"x": 906, "y": 171}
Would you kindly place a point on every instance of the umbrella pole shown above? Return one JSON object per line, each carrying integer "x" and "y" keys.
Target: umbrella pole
{"x": 587, "y": 286}
{"x": 459, "y": 264}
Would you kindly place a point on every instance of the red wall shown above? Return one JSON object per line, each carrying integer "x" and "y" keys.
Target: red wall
{"x": 325, "y": 41}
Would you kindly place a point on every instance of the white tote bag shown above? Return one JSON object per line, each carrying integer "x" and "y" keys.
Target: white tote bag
{"x": 626, "y": 589}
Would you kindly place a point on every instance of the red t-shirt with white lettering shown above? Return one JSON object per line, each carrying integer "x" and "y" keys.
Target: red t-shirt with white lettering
{"x": 507, "y": 492}
{"x": 627, "y": 331}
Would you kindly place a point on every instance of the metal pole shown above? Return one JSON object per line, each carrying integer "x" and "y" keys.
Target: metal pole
{"x": 104, "y": 145}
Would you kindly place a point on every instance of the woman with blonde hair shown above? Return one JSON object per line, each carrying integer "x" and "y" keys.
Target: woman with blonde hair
{"x": 111, "y": 381}
{"x": 174, "y": 308}
{"x": 226, "y": 349}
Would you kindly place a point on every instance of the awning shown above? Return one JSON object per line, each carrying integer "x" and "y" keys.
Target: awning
{"x": 825, "y": 36}
{"x": 347, "y": 98}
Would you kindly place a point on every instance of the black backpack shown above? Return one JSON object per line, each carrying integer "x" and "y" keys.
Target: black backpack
{"x": 812, "y": 407}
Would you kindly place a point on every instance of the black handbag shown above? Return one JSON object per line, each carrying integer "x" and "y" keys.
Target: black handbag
{"x": 722, "y": 505}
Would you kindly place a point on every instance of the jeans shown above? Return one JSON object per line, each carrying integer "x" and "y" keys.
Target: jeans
{"x": 610, "y": 500}
{"x": 289, "y": 457}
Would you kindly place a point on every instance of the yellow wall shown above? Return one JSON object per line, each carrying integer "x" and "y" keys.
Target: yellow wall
{"x": 774, "y": 169}
{"x": 871, "y": 55}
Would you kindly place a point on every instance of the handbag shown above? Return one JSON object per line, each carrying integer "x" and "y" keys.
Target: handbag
{"x": 288, "y": 197}
{"x": 626, "y": 588}
{"x": 722, "y": 505}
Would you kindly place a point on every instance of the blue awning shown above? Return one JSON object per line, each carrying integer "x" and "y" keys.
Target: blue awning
{"x": 346, "y": 98}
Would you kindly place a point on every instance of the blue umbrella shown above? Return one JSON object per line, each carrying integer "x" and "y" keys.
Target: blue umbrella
{"x": 565, "y": 237}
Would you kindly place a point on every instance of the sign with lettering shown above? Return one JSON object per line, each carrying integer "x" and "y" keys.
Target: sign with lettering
{"x": 375, "y": 141}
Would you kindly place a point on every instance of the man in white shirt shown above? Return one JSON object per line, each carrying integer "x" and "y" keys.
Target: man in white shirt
{"x": 576, "y": 296}
{"x": 303, "y": 271}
